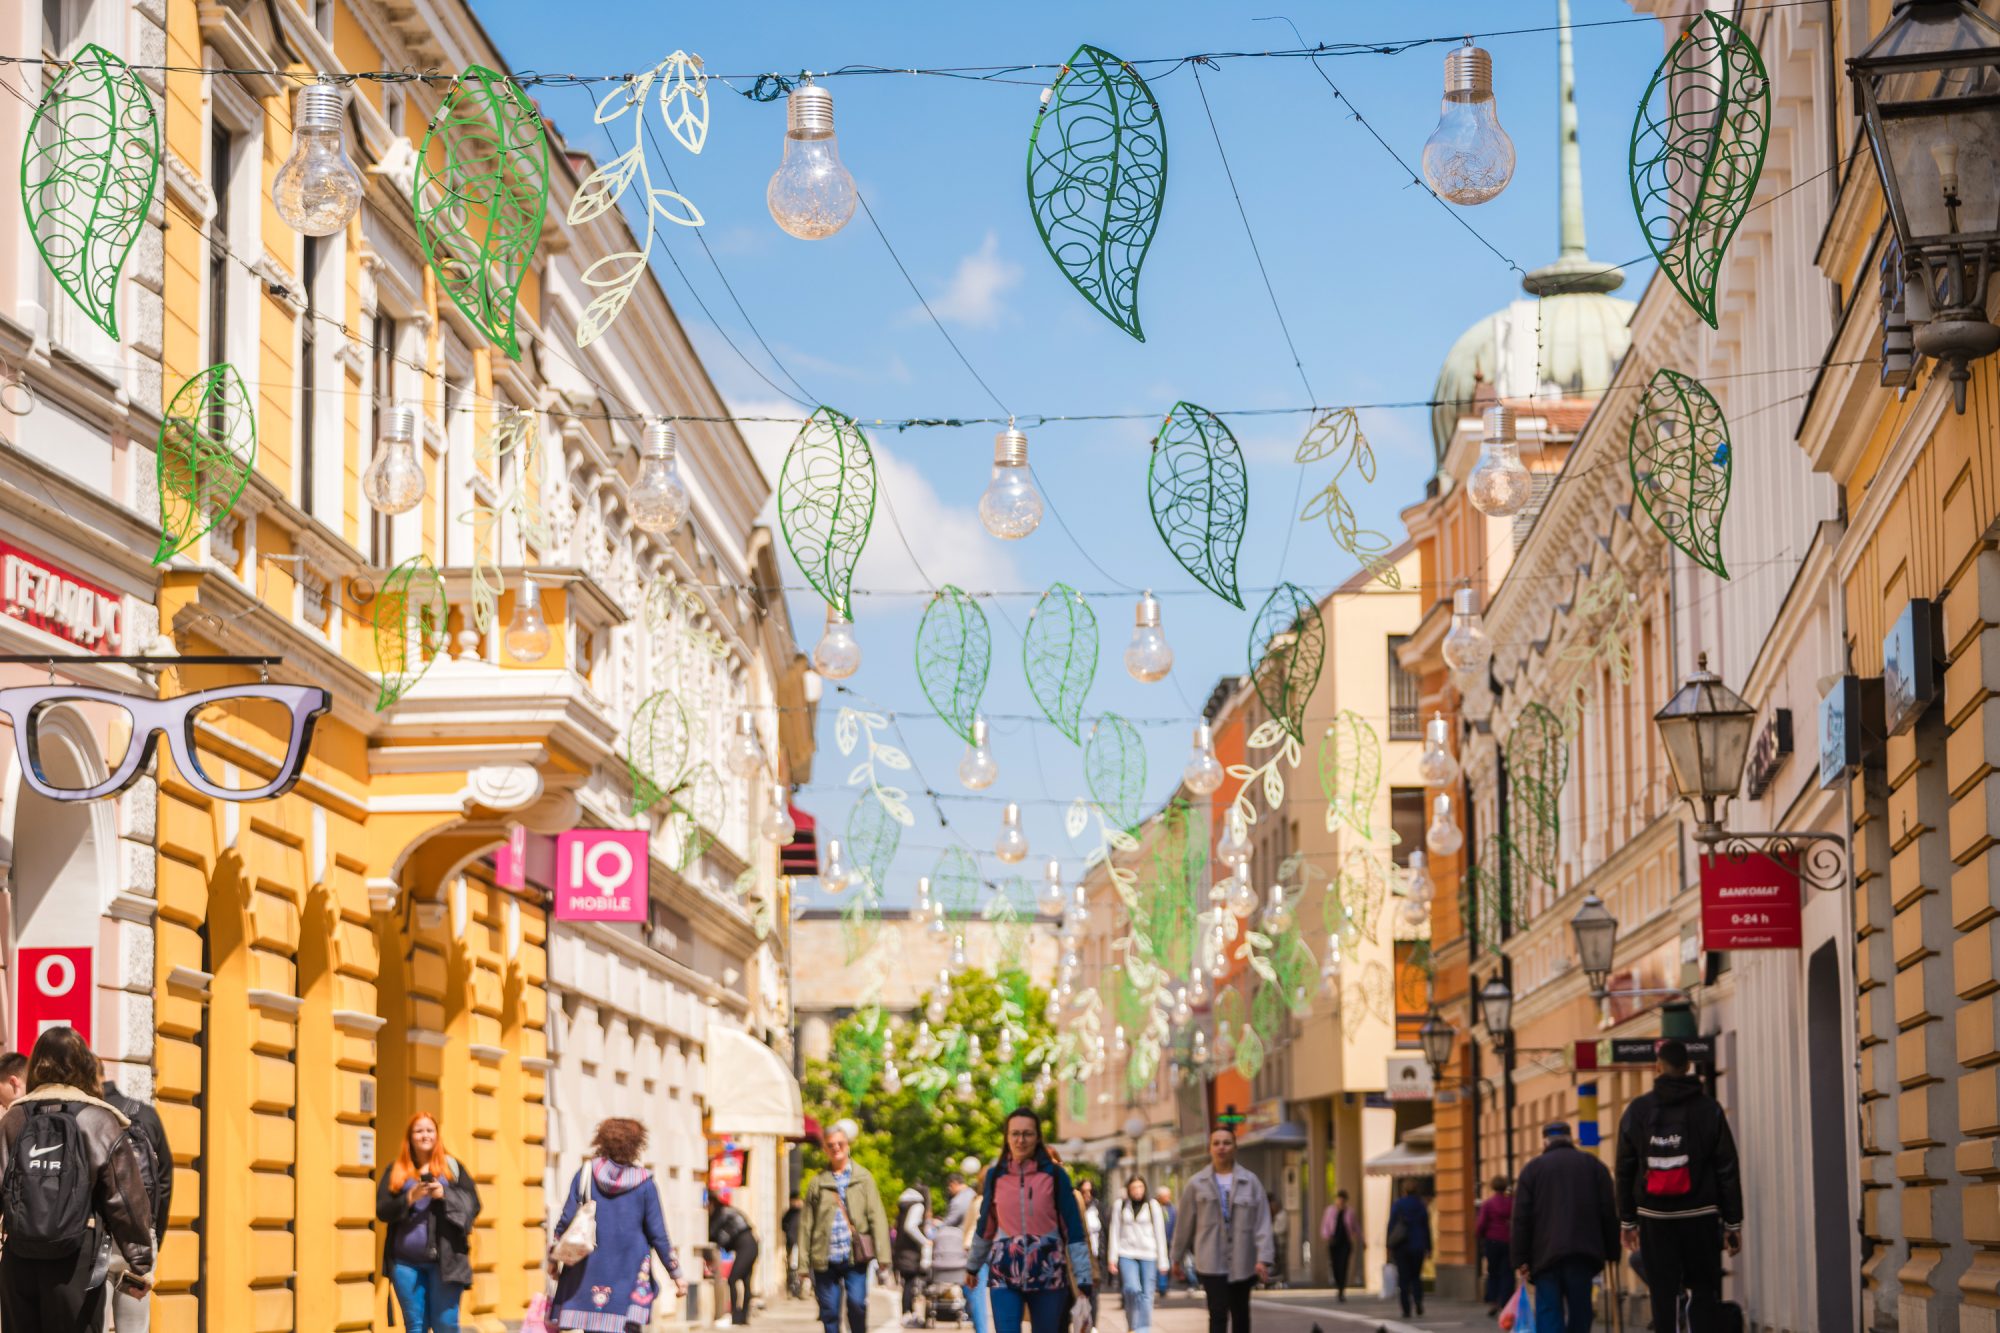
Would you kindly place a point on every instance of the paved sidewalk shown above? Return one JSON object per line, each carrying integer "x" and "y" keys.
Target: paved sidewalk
{"x": 1298, "y": 1309}
{"x": 780, "y": 1314}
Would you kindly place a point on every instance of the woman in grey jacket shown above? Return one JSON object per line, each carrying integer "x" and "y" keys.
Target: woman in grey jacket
{"x": 1225, "y": 1223}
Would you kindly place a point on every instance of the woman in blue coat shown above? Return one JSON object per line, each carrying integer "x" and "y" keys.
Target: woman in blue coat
{"x": 1409, "y": 1241}
{"x": 612, "y": 1290}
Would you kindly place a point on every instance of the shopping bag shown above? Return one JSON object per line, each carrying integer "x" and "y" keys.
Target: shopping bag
{"x": 536, "y": 1320}
{"x": 1519, "y": 1313}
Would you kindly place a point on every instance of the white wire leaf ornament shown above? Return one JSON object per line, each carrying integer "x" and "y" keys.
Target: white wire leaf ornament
{"x": 511, "y": 450}
{"x": 684, "y": 100}
{"x": 1337, "y": 435}
{"x": 850, "y": 726}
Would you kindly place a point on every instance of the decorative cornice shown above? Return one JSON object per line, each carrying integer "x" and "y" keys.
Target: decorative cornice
{"x": 353, "y": 1020}
{"x": 134, "y": 908}
{"x": 383, "y": 894}
{"x": 276, "y": 1003}
{"x": 488, "y": 1055}
{"x": 185, "y": 185}
{"x": 191, "y": 982}
{"x": 425, "y": 1037}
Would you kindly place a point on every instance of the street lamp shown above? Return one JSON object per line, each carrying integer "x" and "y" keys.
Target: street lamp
{"x": 1437, "y": 1037}
{"x": 1929, "y": 93}
{"x": 1596, "y": 932}
{"x": 1135, "y": 1125}
{"x": 1496, "y": 1003}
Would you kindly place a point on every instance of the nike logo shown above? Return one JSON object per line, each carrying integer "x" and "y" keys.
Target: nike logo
{"x": 37, "y": 1152}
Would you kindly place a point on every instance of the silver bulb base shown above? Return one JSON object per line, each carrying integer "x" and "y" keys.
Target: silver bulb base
{"x": 321, "y": 106}
{"x": 809, "y": 112}
{"x": 1010, "y": 449}
{"x": 1499, "y": 424}
{"x": 1147, "y": 614}
{"x": 661, "y": 440}
{"x": 399, "y": 423}
{"x": 1465, "y": 602}
{"x": 1468, "y": 75}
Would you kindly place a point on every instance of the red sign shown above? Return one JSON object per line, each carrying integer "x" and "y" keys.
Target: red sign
{"x": 53, "y": 988}
{"x": 1751, "y": 903}
{"x": 602, "y": 875}
{"x": 725, "y": 1172}
{"x": 36, "y": 593}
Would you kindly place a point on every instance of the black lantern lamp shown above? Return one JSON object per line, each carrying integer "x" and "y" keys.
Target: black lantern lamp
{"x": 1706, "y": 730}
{"x": 1437, "y": 1037}
{"x": 1596, "y": 932}
{"x": 1496, "y": 1005}
{"x": 1928, "y": 90}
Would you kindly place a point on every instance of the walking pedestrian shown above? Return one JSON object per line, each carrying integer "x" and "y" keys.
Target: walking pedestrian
{"x": 1095, "y": 1224}
{"x": 134, "y": 1313}
{"x": 1165, "y": 1198}
{"x": 1680, "y": 1190}
{"x": 908, "y": 1248}
{"x": 1565, "y": 1230}
{"x": 429, "y": 1202}
{"x": 71, "y": 1191}
{"x": 1493, "y": 1224}
{"x": 846, "y": 1229}
{"x": 1225, "y": 1225}
{"x": 729, "y": 1229}
{"x": 1032, "y": 1231}
{"x": 611, "y": 1288}
{"x": 1136, "y": 1248}
{"x": 948, "y": 1236}
{"x": 13, "y": 1077}
{"x": 1339, "y": 1229}
{"x": 789, "y": 1226}
{"x": 1409, "y": 1241}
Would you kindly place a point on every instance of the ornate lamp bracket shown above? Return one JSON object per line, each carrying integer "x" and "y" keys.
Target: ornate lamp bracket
{"x": 1816, "y": 860}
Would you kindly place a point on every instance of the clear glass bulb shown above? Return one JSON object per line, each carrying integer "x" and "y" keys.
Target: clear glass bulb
{"x": 1010, "y": 507}
{"x": 972, "y": 1048}
{"x": 1045, "y": 1082}
{"x": 1053, "y": 894}
{"x": 892, "y": 1082}
{"x": 527, "y": 638}
{"x": 1118, "y": 1040}
{"x": 1329, "y": 968}
{"x": 1197, "y": 991}
{"x": 938, "y": 925}
{"x": 1419, "y": 886}
{"x": 1070, "y": 960}
{"x": 1437, "y": 766}
{"x": 658, "y": 497}
{"x": 1277, "y": 915}
{"x": 1183, "y": 1012}
{"x": 776, "y": 826}
{"x": 1233, "y": 848}
{"x": 1499, "y": 484}
{"x": 744, "y": 757}
{"x": 1203, "y": 773}
{"x": 923, "y": 896}
{"x": 958, "y": 962}
{"x": 1079, "y": 907}
{"x": 1468, "y": 159}
{"x": 394, "y": 481}
{"x": 810, "y": 195}
{"x": 1147, "y": 657}
{"x": 976, "y": 769}
{"x": 1052, "y": 1011}
{"x": 1466, "y": 648}
{"x": 1242, "y": 898}
{"x": 1415, "y": 913}
{"x": 1003, "y": 1050}
{"x": 838, "y": 654}
{"x": 1012, "y": 844}
{"x": 935, "y": 1010}
{"x": 834, "y": 876}
{"x": 317, "y": 190}
{"x": 1443, "y": 837}
{"x": 1199, "y": 1053}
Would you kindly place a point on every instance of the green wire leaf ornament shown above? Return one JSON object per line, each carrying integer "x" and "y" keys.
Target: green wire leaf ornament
{"x": 826, "y": 503}
{"x": 657, "y": 743}
{"x": 1680, "y": 458}
{"x": 1350, "y": 772}
{"x": 482, "y": 188}
{"x": 1097, "y": 175}
{"x": 1114, "y": 766}
{"x": 1697, "y": 150}
{"x": 410, "y": 615}
{"x": 89, "y": 167}
{"x": 1287, "y": 651}
{"x": 954, "y": 655}
{"x": 1199, "y": 489}
{"x": 700, "y": 804}
{"x": 1537, "y": 767}
{"x": 873, "y": 835}
{"x": 1059, "y": 657}
{"x": 955, "y": 881}
{"x": 207, "y": 449}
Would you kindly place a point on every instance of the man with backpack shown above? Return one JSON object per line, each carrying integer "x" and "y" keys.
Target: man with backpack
{"x": 1680, "y": 1194}
{"x": 130, "y": 1313}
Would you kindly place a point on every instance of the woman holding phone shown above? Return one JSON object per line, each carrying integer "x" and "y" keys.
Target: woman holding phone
{"x": 429, "y": 1202}
{"x": 1031, "y": 1231}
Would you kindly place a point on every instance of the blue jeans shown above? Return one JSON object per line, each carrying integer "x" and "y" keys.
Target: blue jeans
{"x": 1566, "y": 1283}
{"x": 976, "y": 1302}
{"x": 1138, "y": 1277}
{"x": 1044, "y": 1309}
{"x": 830, "y": 1285}
{"x": 429, "y": 1304}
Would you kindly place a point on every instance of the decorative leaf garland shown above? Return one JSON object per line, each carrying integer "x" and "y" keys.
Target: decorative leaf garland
{"x": 1370, "y": 995}
{"x": 700, "y": 804}
{"x": 684, "y": 111}
{"x": 1268, "y": 776}
{"x": 1059, "y": 657}
{"x": 207, "y": 449}
{"x": 1697, "y": 150}
{"x": 1537, "y": 766}
{"x": 849, "y": 727}
{"x": 1287, "y": 651}
{"x": 1608, "y": 614}
{"x": 955, "y": 881}
{"x": 89, "y": 167}
{"x": 954, "y": 655}
{"x": 1167, "y": 920}
{"x": 482, "y": 188}
{"x": 1097, "y": 175}
{"x": 826, "y": 503}
{"x": 873, "y": 834}
{"x": 410, "y": 615}
{"x": 1337, "y": 434}
{"x": 1114, "y": 766}
{"x": 657, "y": 746}
{"x": 1361, "y": 890}
{"x": 1199, "y": 489}
{"x": 1680, "y": 460}
{"x": 511, "y": 449}
{"x": 1350, "y": 773}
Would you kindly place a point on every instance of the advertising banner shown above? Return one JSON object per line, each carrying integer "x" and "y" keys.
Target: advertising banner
{"x": 54, "y": 988}
{"x": 601, "y": 875}
{"x": 1752, "y": 903}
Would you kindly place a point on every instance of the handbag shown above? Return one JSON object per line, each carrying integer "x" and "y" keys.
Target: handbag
{"x": 580, "y": 1237}
{"x": 1399, "y": 1234}
{"x": 862, "y": 1241}
{"x": 536, "y": 1318}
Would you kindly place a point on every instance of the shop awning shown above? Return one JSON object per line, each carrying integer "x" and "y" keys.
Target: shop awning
{"x": 749, "y": 1089}
{"x": 1415, "y": 1154}
{"x": 1284, "y": 1134}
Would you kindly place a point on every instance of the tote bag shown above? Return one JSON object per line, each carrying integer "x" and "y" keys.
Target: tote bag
{"x": 576, "y": 1243}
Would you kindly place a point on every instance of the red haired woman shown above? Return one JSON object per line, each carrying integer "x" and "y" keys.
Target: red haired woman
{"x": 429, "y": 1201}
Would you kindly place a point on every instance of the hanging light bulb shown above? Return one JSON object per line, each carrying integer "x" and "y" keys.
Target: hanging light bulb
{"x": 394, "y": 482}
{"x": 1066, "y": 988}
{"x": 1182, "y": 1012}
{"x": 1277, "y": 915}
{"x": 1199, "y": 1052}
{"x": 1443, "y": 837}
{"x": 1010, "y": 507}
{"x": 961, "y": 1085}
{"x": 1233, "y": 848}
{"x": 972, "y": 1048}
{"x": 923, "y": 895}
{"x": 776, "y": 826}
{"x": 1118, "y": 1041}
{"x": 1045, "y": 1083}
{"x": 976, "y": 770}
{"x": 1197, "y": 990}
{"x": 1418, "y": 885}
{"x": 1147, "y": 657}
{"x": 658, "y": 498}
{"x": 1079, "y": 907}
{"x": 1329, "y": 969}
{"x": 837, "y": 655}
{"x": 1070, "y": 961}
{"x": 1437, "y": 767}
{"x": 1415, "y": 913}
{"x": 1203, "y": 773}
{"x": 1242, "y": 899}
{"x": 316, "y": 190}
{"x": 1003, "y": 1050}
{"x": 1052, "y": 1011}
{"x": 810, "y": 195}
{"x": 1468, "y": 159}
{"x": 938, "y": 925}
{"x": 744, "y": 757}
{"x": 527, "y": 638}
{"x": 1012, "y": 844}
{"x": 1053, "y": 894}
{"x": 1466, "y": 647}
{"x": 834, "y": 876}
{"x": 892, "y": 1082}
{"x": 935, "y": 1011}
{"x": 957, "y": 962}
{"x": 1499, "y": 485}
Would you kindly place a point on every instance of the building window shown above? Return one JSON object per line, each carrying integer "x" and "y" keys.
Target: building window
{"x": 311, "y": 253}
{"x": 381, "y": 546}
{"x": 1406, "y": 819}
{"x": 1405, "y": 700}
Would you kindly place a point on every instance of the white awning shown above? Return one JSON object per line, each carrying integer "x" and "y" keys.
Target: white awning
{"x": 749, "y": 1089}
{"x": 1415, "y": 1155}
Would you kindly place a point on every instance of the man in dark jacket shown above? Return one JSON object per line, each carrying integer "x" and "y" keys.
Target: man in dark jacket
{"x": 1565, "y": 1227}
{"x": 1680, "y": 1194}
{"x": 131, "y": 1313}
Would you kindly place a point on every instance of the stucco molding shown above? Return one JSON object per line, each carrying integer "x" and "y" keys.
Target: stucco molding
{"x": 353, "y": 1020}
{"x": 191, "y": 983}
{"x": 276, "y": 1003}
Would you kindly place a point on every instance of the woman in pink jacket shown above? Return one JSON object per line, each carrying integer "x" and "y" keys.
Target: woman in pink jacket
{"x": 1341, "y": 1231}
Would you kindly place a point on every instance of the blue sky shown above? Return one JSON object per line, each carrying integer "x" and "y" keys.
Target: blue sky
{"x": 1375, "y": 280}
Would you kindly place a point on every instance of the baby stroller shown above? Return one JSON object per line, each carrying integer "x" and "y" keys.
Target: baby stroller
{"x": 944, "y": 1298}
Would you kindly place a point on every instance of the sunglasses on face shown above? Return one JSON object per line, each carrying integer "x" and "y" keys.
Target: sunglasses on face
{"x": 288, "y": 712}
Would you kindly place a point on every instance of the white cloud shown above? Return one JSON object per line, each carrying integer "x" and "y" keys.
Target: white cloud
{"x": 973, "y": 298}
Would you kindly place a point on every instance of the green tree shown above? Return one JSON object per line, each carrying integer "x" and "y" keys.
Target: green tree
{"x": 919, "y": 1133}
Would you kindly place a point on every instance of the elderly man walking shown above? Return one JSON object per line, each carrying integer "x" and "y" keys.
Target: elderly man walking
{"x": 845, "y": 1229}
{"x": 1225, "y": 1221}
{"x": 1565, "y": 1229}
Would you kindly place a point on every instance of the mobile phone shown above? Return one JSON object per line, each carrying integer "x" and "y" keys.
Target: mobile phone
{"x": 428, "y": 1178}
{"x": 132, "y": 1284}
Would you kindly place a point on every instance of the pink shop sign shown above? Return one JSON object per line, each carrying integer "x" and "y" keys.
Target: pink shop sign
{"x": 602, "y": 875}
